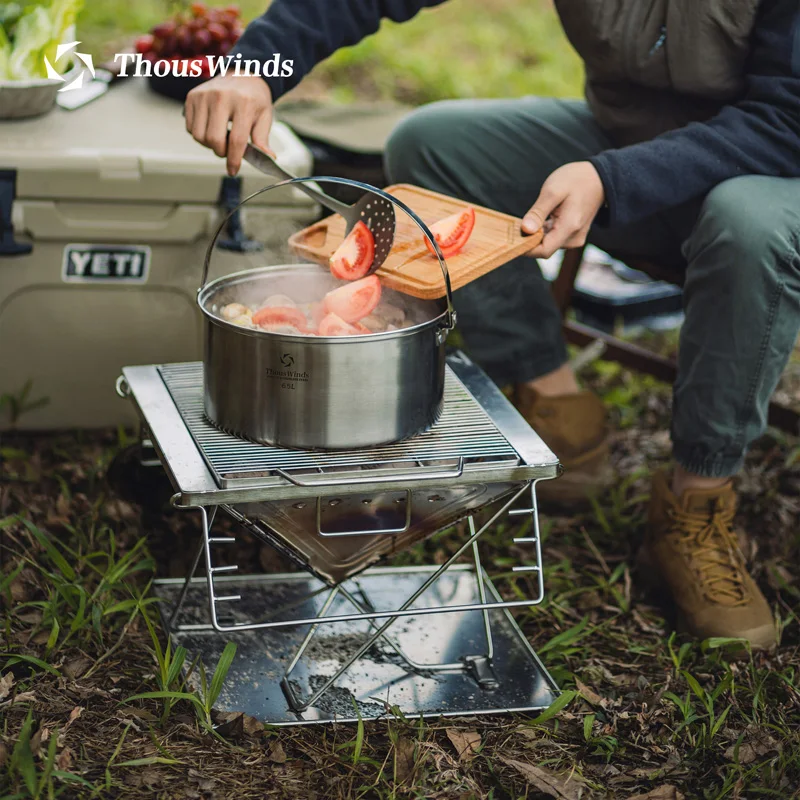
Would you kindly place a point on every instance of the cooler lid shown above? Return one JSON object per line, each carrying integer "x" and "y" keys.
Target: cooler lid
{"x": 131, "y": 145}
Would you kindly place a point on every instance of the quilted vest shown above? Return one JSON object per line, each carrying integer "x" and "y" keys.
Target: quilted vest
{"x": 656, "y": 65}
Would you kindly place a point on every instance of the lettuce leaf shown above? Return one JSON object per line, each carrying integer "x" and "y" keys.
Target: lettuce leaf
{"x": 37, "y": 34}
{"x": 5, "y": 54}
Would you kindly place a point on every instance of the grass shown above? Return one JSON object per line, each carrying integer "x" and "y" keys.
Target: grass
{"x": 94, "y": 701}
{"x": 465, "y": 48}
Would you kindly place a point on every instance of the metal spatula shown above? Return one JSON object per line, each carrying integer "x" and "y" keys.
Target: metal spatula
{"x": 375, "y": 212}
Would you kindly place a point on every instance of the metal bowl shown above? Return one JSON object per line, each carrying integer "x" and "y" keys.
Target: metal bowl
{"x": 31, "y": 98}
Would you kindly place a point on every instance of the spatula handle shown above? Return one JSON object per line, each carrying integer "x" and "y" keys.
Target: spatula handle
{"x": 265, "y": 163}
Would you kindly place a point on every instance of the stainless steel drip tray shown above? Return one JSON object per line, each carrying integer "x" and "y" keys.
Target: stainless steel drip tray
{"x": 479, "y": 438}
{"x": 376, "y": 682}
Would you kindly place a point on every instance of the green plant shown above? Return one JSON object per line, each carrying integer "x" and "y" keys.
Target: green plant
{"x": 202, "y": 701}
{"x": 31, "y": 779}
{"x": 170, "y": 664}
{"x": 89, "y": 584}
{"x": 20, "y": 403}
{"x": 710, "y": 721}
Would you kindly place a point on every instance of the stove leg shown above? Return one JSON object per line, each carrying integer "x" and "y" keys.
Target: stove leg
{"x": 414, "y": 665}
{"x": 487, "y": 623}
{"x": 392, "y": 615}
{"x": 479, "y": 666}
{"x": 294, "y": 703}
{"x": 207, "y": 518}
{"x": 185, "y": 588}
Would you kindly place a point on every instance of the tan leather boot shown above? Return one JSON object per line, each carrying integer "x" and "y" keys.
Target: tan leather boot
{"x": 691, "y": 544}
{"x": 575, "y": 428}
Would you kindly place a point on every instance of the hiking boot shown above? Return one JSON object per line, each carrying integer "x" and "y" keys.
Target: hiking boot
{"x": 692, "y": 547}
{"x": 575, "y": 428}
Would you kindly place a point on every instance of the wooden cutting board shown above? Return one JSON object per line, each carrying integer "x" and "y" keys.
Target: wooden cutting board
{"x": 410, "y": 267}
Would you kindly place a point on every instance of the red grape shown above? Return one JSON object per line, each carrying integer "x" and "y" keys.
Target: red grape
{"x": 198, "y": 31}
{"x": 202, "y": 39}
{"x": 218, "y": 32}
{"x": 164, "y": 29}
{"x": 169, "y": 46}
{"x": 184, "y": 40}
{"x": 144, "y": 44}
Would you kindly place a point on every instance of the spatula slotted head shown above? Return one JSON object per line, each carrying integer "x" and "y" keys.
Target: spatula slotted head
{"x": 377, "y": 214}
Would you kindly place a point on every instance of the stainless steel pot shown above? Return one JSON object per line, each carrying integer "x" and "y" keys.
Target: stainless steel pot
{"x": 313, "y": 392}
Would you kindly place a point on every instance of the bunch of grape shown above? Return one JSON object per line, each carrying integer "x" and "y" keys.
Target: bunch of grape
{"x": 200, "y": 31}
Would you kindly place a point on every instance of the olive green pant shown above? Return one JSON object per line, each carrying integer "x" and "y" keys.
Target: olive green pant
{"x": 738, "y": 247}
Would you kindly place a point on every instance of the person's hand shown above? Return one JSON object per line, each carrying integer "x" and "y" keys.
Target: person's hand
{"x": 243, "y": 100}
{"x": 568, "y": 202}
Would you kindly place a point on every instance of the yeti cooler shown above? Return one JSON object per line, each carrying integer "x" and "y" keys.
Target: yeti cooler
{"x": 105, "y": 215}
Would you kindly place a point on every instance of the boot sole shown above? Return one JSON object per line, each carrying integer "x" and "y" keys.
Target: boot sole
{"x": 657, "y": 590}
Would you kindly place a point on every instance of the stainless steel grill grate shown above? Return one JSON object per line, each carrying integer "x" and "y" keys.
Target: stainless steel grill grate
{"x": 464, "y": 431}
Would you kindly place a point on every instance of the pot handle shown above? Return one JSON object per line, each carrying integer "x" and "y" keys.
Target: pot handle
{"x": 450, "y": 320}
{"x": 456, "y": 472}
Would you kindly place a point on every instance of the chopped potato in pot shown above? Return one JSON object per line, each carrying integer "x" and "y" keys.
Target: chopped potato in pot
{"x": 232, "y": 311}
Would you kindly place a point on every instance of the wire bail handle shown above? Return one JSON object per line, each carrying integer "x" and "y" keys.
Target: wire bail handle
{"x": 450, "y": 321}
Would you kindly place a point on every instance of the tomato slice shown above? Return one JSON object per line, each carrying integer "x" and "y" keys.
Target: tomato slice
{"x": 355, "y": 254}
{"x": 355, "y": 300}
{"x": 333, "y": 325}
{"x": 274, "y": 316}
{"x": 453, "y": 232}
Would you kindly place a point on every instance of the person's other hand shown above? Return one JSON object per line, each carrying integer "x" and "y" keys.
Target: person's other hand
{"x": 567, "y": 204}
{"x": 243, "y": 100}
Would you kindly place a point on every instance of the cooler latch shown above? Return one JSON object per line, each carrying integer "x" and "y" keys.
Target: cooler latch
{"x": 8, "y": 193}
{"x": 230, "y": 196}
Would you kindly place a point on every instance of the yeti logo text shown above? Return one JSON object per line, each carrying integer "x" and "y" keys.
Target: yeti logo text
{"x": 55, "y": 75}
{"x": 106, "y": 264}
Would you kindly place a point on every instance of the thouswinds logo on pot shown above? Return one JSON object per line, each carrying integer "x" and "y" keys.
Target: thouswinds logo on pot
{"x": 287, "y": 374}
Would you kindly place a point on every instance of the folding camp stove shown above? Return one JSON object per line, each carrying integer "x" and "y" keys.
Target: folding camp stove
{"x": 342, "y": 638}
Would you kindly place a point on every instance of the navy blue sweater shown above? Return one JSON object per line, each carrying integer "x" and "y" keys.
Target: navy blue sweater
{"x": 758, "y": 135}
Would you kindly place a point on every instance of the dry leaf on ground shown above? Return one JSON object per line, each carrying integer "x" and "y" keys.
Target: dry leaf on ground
{"x": 6, "y": 682}
{"x": 559, "y": 786}
{"x": 204, "y": 783}
{"x": 76, "y": 667}
{"x": 404, "y": 759}
{"x": 466, "y": 743}
{"x": 588, "y": 694}
{"x": 73, "y": 715}
{"x": 276, "y": 753}
{"x": 757, "y": 745}
{"x": 64, "y": 759}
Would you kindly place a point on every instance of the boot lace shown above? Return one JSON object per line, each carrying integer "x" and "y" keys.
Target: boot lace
{"x": 714, "y": 552}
